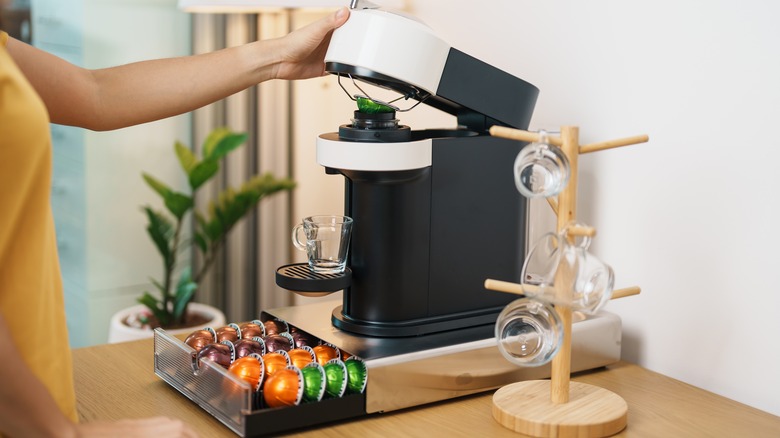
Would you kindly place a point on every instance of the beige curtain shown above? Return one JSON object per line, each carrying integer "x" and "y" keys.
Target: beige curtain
{"x": 241, "y": 282}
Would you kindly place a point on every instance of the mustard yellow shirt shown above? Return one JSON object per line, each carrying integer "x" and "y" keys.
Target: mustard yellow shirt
{"x": 31, "y": 297}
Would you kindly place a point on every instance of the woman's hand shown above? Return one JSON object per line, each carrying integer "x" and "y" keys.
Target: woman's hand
{"x": 303, "y": 51}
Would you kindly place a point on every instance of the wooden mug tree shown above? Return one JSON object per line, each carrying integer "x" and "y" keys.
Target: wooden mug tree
{"x": 559, "y": 407}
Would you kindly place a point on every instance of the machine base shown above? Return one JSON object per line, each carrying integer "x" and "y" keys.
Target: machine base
{"x": 411, "y": 371}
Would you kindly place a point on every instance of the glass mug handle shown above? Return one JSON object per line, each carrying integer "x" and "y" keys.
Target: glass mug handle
{"x": 295, "y": 232}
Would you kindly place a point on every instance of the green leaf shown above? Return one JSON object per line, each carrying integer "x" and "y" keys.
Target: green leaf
{"x": 232, "y": 205}
{"x": 161, "y": 231}
{"x": 211, "y": 230}
{"x": 226, "y": 145}
{"x": 185, "y": 289}
{"x": 220, "y": 142}
{"x": 186, "y": 157}
{"x": 214, "y": 137}
{"x": 153, "y": 304}
{"x": 202, "y": 172}
{"x": 177, "y": 203}
{"x": 149, "y": 301}
{"x": 159, "y": 286}
{"x": 200, "y": 240}
{"x": 200, "y": 219}
{"x": 158, "y": 186}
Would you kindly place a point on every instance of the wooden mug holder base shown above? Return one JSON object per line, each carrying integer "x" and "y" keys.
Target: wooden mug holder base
{"x": 525, "y": 407}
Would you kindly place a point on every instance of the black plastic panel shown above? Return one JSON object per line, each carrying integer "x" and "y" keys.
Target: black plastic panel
{"x": 480, "y": 223}
{"x": 480, "y": 88}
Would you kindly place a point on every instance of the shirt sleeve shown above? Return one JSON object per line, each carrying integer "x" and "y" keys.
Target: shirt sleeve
{"x": 3, "y": 38}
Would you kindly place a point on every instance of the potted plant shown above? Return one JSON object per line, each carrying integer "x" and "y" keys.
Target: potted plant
{"x": 170, "y": 306}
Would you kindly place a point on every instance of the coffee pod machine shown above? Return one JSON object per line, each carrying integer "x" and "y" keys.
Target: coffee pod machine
{"x": 435, "y": 211}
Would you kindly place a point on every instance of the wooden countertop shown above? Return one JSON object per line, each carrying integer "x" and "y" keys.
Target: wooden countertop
{"x": 117, "y": 381}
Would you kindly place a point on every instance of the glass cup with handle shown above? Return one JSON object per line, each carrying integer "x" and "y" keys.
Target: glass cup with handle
{"x": 326, "y": 242}
{"x": 529, "y": 332}
{"x": 562, "y": 271}
{"x": 541, "y": 169}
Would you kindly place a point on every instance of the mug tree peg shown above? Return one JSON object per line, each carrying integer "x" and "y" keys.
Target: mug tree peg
{"x": 616, "y": 143}
{"x": 580, "y": 231}
{"x": 522, "y": 135}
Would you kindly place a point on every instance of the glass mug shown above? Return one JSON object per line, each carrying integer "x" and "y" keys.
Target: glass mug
{"x": 565, "y": 273}
{"x": 541, "y": 169}
{"x": 326, "y": 242}
{"x": 529, "y": 332}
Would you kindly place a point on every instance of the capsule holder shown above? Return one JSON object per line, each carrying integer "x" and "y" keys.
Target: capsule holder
{"x": 233, "y": 402}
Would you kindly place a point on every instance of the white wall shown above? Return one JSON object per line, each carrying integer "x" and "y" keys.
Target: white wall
{"x": 690, "y": 216}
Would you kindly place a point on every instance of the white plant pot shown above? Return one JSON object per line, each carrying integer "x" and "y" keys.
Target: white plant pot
{"x": 119, "y": 332}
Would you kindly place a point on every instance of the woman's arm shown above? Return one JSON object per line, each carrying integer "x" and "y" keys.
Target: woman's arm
{"x": 140, "y": 92}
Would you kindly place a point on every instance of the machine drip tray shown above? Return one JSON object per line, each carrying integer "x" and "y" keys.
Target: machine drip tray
{"x": 297, "y": 277}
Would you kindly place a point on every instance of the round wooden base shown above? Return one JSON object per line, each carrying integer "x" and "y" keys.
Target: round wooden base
{"x": 525, "y": 407}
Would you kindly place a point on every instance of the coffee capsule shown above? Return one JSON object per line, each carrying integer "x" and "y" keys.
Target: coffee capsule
{"x": 300, "y": 357}
{"x": 313, "y": 382}
{"x": 279, "y": 341}
{"x": 252, "y": 329}
{"x": 370, "y": 106}
{"x": 222, "y": 353}
{"x": 335, "y": 378}
{"x": 245, "y": 347}
{"x": 275, "y": 361}
{"x": 275, "y": 326}
{"x": 200, "y": 338}
{"x": 227, "y": 333}
{"x": 250, "y": 369}
{"x": 303, "y": 339}
{"x": 326, "y": 352}
{"x": 284, "y": 388}
{"x": 357, "y": 375}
